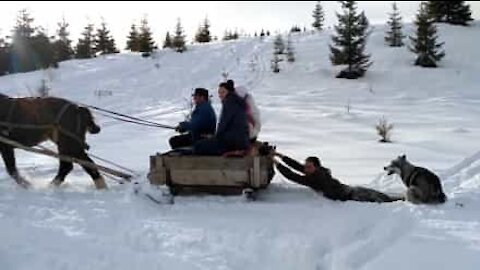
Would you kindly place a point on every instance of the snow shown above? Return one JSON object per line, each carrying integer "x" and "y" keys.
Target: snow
{"x": 306, "y": 111}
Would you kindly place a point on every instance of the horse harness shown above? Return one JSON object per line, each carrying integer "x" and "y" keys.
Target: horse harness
{"x": 55, "y": 126}
{"x": 9, "y": 117}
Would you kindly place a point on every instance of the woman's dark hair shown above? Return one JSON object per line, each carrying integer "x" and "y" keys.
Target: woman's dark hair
{"x": 229, "y": 85}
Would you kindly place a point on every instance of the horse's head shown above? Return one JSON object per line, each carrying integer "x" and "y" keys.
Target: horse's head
{"x": 89, "y": 122}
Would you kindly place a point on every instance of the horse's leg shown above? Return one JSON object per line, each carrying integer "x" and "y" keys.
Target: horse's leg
{"x": 70, "y": 148}
{"x": 93, "y": 172}
{"x": 8, "y": 156}
{"x": 64, "y": 169}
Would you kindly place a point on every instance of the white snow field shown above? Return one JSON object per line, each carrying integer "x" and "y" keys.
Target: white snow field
{"x": 306, "y": 111}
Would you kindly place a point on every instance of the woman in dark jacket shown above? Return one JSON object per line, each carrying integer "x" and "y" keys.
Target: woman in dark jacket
{"x": 232, "y": 132}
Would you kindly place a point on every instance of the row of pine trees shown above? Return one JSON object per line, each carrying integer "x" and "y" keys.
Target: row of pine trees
{"x": 352, "y": 31}
{"x": 30, "y": 48}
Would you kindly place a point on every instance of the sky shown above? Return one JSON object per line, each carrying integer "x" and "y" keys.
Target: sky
{"x": 246, "y": 16}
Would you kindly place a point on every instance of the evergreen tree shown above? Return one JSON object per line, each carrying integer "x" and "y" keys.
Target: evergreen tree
{"x": 290, "y": 51}
{"x": 459, "y": 13}
{"x": 350, "y": 41}
{"x": 86, "y": 45}
{"x": 133, "y": 39}
{"x": 227, "y": 35}
{"x": 63, "y": 45}
{"x": 275, "y": 63}
{"x": 394, "y": 37}
{"x": 295, "y": 29}
{"x": 146, "y": 43}
{"x": 262, "y": 33}
{"x": 168, "y": 41}
{"x": 453, "y": 12}
{"x": 235, "y": 35}
{"x": 104, "y": 42}
{"x": 203, "y": 34}
{"x": 318, "y": 17}
{"x": 437, "y": 10}
{"x": 279, "y": 45}
{"x": 44, "y": 50}
{"x": 23, "y": 56}
{"x": 425, "y": 43}
{"x": 4, "y": 57}
{"x": 179, "y": 38}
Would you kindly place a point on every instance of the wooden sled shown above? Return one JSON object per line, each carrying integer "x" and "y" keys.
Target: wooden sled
{"x": 221, "y": 175}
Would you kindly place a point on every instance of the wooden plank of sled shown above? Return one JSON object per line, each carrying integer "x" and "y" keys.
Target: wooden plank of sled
{"x": 256, "y": 181}
{"x": 207, "y": 163}
{"x": 157, "y": 174}
{"x": 200, "y": 177}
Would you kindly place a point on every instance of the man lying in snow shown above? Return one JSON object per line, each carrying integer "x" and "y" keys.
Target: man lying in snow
{"x": 320, "y": 179}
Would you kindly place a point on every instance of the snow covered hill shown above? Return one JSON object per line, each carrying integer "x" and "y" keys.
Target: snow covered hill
{"x": 306, "y": 111}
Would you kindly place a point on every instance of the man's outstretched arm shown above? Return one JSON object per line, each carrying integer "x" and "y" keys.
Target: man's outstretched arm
{"x": 287, "y": 173}
{"x": 292, "y": 163}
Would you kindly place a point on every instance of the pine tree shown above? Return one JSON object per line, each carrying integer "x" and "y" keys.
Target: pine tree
{"x": 350, "y": 41}
{"x": 104, "y": 42}
{"x": 179, "y": 38}
{"x": 262, "y": 33}
{"x": 275, "y": 63}
{"x": 4, "y": 57}
{"x": 295, "y": 29}
{"x": 44, "y": 50}
{"x": 203, "y": 34}
{"x": 63, "y": 45}
{"x": 133, "y": 39}
{"x": 318, "y": 17}
{"x": 452, "y": 12}
{"x": 168, "y": 41}
{"x": 227, "y": 35}
{"x": 22, "y": 52}
{"x": 86, "y": 45}
{"x": 279, "y": 45}
{"x": 235, "y": 34}
{"x": 458, "y": 13}
{"x": 425, "y": 43}
{"x": 437, "y": 10}
{"x": 394, "y": 37}
{"x": 290, "y": 51}
{"x": 146, "y": 43}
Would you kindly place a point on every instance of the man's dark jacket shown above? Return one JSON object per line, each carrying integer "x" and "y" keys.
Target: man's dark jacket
{"x": 203, "y": 121}
{"x": 321, "y": 180}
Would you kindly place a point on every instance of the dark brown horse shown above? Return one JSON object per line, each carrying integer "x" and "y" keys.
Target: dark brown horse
{"x": 30, "y": 121}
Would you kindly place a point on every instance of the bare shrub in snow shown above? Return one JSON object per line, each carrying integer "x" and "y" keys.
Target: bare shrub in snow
{"x": 384, "y": 130}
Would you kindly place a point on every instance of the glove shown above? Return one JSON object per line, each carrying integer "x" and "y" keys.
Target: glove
{"x": 180, "y": 128}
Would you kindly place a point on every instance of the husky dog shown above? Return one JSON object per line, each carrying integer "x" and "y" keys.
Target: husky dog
{"x": 423, "y": 186}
